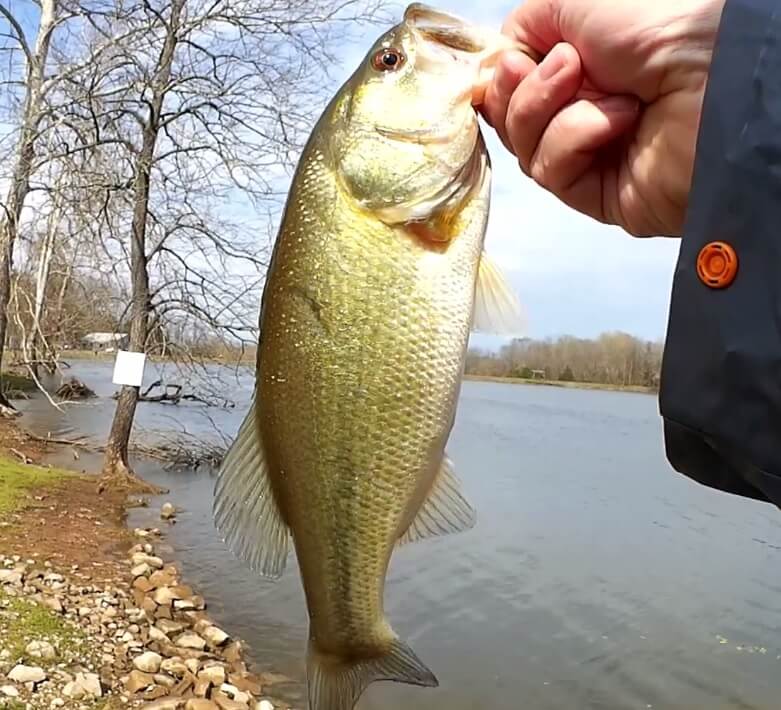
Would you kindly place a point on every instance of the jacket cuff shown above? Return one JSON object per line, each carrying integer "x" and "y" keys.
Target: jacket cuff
{"x": 720, "y": 389}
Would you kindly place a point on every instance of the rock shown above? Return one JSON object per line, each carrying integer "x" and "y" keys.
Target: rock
{"x": 248, "y": 684}
{"x": 161, "y": 578}
{"x": 27, "y": 674}
{"x": 227, "y": 703}
{"x": 156, "y": 635}
{"x": 184, "y": 604}
{"x": 41, "y": 649}
{"x": 90, "y": 684}
{"x": 214, "y": 636}
{"x": 232, "y": 652}
{"x": 169, "y": 627}
{"x": 142, "y": 583}
{"x": 190, "y": 640}
{"x": 171, "y": 703}
{"x": 174, "y": 666}
{"x": 167, "y": 511}
{"x": 54, "y": 604}
{"x": 200, "y": 704}
{"x": 73, "y": 690}
{"x": 149, "y": 606}
{"x": 192, "y": 665}
{"x": 233, "y": 692}
{"x": 142, "y": 570}
{"x": 9, "y": 691}
{"x": 10, "y": 576}
{"x": 215, "y": 675}
{"x": 148, "y": 662}
{"x": 139, "y": 558}
{"x": 164, "y": 595}
{"x": 164, "y": 680}
{"x": 201, "y": 687}
{"x": 57, "y": 703}
{"x": 138, "y": 681}
{"x": 264, "y": 705}
{"x": 163, "y": 612}
{"x": 155, "y": 692}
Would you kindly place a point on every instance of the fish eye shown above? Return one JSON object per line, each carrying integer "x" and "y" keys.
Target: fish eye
{"x": 388, "y": 59}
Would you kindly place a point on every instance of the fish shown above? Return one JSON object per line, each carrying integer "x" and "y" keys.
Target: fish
{"x": 377, "y": 278}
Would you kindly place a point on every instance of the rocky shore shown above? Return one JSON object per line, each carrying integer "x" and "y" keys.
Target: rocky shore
{"x": 70, "y": 640}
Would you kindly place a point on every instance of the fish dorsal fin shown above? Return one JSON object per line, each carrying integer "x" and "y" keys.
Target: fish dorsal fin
{"x": 497, "y": 309}
{"x": 445, "y": 510}
{"x": 245, "y": 511}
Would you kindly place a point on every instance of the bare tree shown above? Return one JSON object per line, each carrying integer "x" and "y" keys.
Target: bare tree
{"x": 201, "y": 109}
{"x": 35, "y": 54}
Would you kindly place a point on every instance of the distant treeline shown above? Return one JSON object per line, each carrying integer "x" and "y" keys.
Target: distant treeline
{"x": 612, "y": 358}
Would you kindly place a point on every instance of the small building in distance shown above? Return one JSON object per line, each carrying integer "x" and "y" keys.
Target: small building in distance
{"x": 104, "y": 342}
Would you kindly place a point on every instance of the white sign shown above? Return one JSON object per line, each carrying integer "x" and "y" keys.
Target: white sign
{"x": 129, "y": 368}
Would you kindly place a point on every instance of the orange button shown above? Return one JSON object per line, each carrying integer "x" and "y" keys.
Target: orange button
{"x": 717, "y": 264}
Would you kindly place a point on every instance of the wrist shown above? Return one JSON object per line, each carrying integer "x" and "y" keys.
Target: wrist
{"x": 685, "y": 44}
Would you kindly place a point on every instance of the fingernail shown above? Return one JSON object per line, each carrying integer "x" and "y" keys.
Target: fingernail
{"x": 618, "y": 104}
{"x": 552, "y": 64}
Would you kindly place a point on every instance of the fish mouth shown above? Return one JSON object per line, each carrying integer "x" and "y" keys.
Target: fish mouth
{"x": 445, "y": 29}
{"x": 447, "y": 38}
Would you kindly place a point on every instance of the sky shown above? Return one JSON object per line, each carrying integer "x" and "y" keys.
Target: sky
{"x": 573, "y": 275}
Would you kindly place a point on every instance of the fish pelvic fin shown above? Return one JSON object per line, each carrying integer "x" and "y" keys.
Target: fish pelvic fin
{"x": 245, "y": 511}
{"x": 497, "y": 309}
{"x": 444, "y": 512}
{"x": 337, "y": 683}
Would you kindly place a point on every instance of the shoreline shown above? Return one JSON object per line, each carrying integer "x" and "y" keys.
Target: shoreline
{"x": 91, "y": 614}
{"x": 636, "y": 389}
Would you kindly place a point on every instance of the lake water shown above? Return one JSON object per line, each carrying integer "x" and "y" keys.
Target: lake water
{"x": 597, "y": 577}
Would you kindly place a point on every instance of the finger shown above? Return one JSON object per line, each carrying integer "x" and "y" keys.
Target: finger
{"x": 538, "y": 98}
{"x": 566, "y": 161}
{"x": 512, "y": 68}
{"x": 538, "y": 23}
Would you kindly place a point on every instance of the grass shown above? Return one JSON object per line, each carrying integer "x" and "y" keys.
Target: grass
{"x": 562, "y": 383}
{"x": 15, "y": 382}
{"x": 22, "y": 621}
{"x": 16, "y": 479}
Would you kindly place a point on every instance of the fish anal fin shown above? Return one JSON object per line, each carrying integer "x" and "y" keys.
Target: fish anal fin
{"x": 245, "y": 511}
{"x": 445, "y": 511}
{"x": 336, "y": 684}
{"x": 497, "y": 309}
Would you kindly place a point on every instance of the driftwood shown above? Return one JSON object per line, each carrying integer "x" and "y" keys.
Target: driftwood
{"x": 172, "y": 394}
{"x": 74, "y": 389}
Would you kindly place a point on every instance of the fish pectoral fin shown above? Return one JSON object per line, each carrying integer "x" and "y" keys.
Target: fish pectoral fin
{"x": 245, "y": 510}
{"x": 497, "y": 309}
{"x": 445, "y": 510}
{"x": 336, "y": 684}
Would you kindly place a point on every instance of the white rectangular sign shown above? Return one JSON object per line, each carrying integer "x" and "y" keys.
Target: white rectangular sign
{"x": 129, "y": 368}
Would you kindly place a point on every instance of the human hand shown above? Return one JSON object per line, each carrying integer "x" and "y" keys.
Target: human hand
{"x": 608, "y": 121}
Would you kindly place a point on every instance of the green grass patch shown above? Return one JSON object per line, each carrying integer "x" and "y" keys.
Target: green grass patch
{"x": 22, "y": 621}
{"x": 15, "y": 382}
{"x": 16, "y": 479}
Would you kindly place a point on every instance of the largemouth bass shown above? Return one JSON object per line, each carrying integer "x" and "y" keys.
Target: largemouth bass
{"x": 377, "y": 277}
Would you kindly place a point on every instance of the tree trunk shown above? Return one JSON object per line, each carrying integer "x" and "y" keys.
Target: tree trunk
{"x": 33, "y": 353}
{"x": 116, "y": 466}
{"x": 20, "y": 177}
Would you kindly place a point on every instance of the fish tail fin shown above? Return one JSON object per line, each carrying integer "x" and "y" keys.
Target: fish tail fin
{"x": 337, "y": 683}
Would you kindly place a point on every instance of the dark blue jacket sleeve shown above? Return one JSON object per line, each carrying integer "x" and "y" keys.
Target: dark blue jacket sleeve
{"x": 720, "y": 392}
